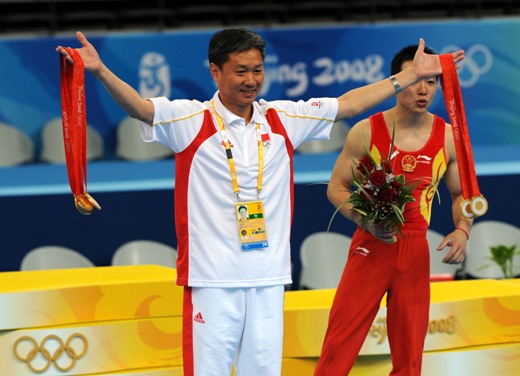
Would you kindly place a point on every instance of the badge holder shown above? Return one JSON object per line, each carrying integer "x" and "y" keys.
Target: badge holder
{"x": 251, "y": 225}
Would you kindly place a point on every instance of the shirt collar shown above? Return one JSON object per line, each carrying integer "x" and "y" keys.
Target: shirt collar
{"x": 231, "y": 118}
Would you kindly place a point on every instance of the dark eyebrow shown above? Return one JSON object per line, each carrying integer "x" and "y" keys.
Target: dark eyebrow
{"x": 241, "y": 66}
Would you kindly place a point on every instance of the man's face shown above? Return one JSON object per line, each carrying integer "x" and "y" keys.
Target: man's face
{"x": 419, "y": 96}
{"x": 240, "y": 79}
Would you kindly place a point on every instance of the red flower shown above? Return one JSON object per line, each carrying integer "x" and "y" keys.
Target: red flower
{"x": 369, "y": 192}
{"x": 377, "y": 178}
{"x": 365, "y": 164}
{"x": 396, "y": 185}
{"x": 386, "y": 166}
{"x": 388, "y": 195}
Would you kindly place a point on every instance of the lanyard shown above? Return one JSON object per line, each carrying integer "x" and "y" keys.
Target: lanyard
{"x": 474, "y": 204}
{"x": 231, "y": 161}
{"x": 74, "y": 123}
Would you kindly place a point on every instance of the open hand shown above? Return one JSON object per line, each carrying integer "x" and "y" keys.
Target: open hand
{"x": 88, "y": 53}
{"x": 427, "y": 65}
{"x": 457, "y": 241}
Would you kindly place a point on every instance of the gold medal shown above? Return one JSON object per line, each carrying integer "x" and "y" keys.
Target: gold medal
{"x": 474, "y": 207}
{"x": 479, "y": 206}
{"x": 92, "y": 201}
{"x": 85, "y": 203}
{"x": 408, "y": 163}
{"x": 465, "y": 208}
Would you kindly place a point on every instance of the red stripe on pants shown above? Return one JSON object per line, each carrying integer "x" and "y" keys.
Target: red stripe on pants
{"x": 187, "y": 333}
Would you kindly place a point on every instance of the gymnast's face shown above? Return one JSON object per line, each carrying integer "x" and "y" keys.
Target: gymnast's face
{"x": 419, "y": 96}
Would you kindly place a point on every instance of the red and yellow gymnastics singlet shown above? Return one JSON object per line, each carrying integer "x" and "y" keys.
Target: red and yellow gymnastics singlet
{"x": 425, "y": 166}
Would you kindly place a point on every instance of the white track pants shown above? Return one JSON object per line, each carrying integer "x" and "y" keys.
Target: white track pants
{"x": 222, "y": 326}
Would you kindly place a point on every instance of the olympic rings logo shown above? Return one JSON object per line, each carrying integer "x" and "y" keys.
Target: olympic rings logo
{"x": 63, "y": 355}
{"x": 478, "y": 60}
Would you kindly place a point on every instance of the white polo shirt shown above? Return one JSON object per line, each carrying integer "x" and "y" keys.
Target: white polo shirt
{"x": 210, "y": 254}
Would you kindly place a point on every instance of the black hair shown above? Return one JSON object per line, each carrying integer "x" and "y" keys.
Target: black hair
{"x": 406, "y": 54}
{"x": 233, "y": 40}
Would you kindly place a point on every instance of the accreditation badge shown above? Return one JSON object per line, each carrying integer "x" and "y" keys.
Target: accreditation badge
{"x": 251, "y": 225}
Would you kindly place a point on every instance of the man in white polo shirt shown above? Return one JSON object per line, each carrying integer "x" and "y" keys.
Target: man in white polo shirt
{"x": 234, "y": 151}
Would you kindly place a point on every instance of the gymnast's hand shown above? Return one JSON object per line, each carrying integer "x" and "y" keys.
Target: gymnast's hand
{"x": 457, "y": 241}
{"x": 380, "y": 232}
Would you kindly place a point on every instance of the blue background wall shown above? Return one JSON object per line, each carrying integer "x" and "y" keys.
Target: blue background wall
{"x": 300, "y": 63}
{"x": 137, "y": 198}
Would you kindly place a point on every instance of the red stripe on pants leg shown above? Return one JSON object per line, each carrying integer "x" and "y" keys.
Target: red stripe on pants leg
{"x": 187, "y": 333}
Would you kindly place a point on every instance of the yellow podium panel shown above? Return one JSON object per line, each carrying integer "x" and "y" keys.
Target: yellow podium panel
{"x": 462, "y": 314}
{"x": 92, "y": 321}
{"x": 127, "y": 321}
{"x": 169, "y": 371}
{"x": 306, "y": 315}
{"x": 500, "y": 360}
{"x": 92, "y": 348}
{"x": 57, "y": 297}
{"x": 298, "y": 366}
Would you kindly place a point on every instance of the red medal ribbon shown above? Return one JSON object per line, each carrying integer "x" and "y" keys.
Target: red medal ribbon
{"x": 74, "y": 122}
{"x": 455, "y": 106}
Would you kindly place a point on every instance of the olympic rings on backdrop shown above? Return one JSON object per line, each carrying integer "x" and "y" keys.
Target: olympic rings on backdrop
{"x": 478, "y": 60}
{"x": 51, "y": 355}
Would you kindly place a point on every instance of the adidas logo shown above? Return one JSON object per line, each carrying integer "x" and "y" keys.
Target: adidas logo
{"x": 198, "y": 318}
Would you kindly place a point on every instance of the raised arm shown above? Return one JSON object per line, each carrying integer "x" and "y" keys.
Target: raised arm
{"x": 127, "y": 97}
{"x": 361, "y": 99}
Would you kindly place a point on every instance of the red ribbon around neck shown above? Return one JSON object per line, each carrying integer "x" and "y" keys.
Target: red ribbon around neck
{"x": 74, "y": 122}
{"x": 474, "y": 204}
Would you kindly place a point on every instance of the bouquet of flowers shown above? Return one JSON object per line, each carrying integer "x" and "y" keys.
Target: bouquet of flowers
{"x": 380, "y": 196}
